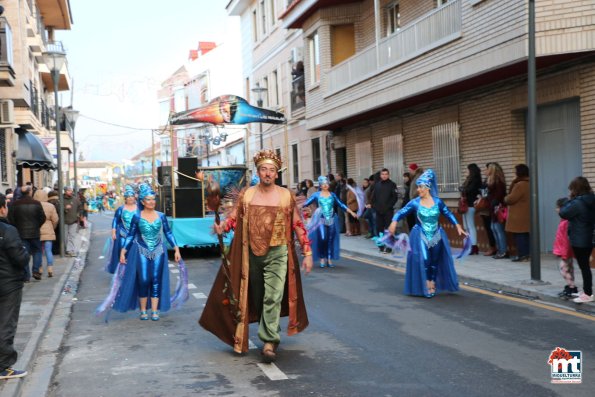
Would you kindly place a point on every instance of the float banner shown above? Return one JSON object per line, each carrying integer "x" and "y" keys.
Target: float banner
{"x": 228, "y": 109}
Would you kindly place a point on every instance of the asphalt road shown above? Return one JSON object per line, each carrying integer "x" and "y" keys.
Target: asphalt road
{"x": 365, "y": 339}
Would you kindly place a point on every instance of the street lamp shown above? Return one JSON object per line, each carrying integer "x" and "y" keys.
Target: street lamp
{"x": 54, "y": 58}
{"x": 72, "y": 116}
{"x": 258, "y": 90}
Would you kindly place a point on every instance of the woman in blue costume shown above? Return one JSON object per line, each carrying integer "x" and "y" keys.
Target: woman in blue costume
{"x": 144, "y": 255}
{"x": 120, "y": 227}
{"x": 324, "y": 227}
{"x": 430, "y": 266}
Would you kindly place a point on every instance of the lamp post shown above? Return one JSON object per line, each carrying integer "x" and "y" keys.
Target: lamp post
{"x": 55, "y": 58}
{"x": 72, "y": 116}
{"x": 258, "y": 90}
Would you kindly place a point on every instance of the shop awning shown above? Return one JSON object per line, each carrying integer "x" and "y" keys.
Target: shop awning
{"x": 32, "y": 152}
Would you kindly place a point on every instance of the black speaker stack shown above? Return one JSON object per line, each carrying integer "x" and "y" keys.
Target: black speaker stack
{"x": 188, "y": 193}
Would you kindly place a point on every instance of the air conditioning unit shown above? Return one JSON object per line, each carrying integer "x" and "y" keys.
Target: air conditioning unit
{"x": 6, "y": 111}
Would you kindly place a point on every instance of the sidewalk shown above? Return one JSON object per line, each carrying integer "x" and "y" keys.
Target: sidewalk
{"x": 500, "y": 275}
{"x": 40, "y": 299}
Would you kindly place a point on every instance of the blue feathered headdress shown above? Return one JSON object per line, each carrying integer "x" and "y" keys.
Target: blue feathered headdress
{"x": 128, "y": 191}
{"x": 428, "y": 179}
{"x": 255, "y": 180}
{"x": 144, "y": 191}
{"x": 322, "y": 180}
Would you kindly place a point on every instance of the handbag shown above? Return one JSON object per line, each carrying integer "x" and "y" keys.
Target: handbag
{"x": 501, "y": 213}
{"x": 482, "y": 204}
{"x": 463, "y": 206}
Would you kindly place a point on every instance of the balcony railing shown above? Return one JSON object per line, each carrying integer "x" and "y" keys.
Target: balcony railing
{"x": 437, "y": 28}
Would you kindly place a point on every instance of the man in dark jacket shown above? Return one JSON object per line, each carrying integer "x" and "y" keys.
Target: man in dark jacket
{"x": 13, "y": 260}
{"x": 341, "y": 192}
{"x": 27, "y": 216}
{"x": 384, "y": 199}
{"x": 72, "y": 214}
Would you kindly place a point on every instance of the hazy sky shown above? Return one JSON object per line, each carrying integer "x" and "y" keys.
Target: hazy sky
{"x": 119, "y": 52}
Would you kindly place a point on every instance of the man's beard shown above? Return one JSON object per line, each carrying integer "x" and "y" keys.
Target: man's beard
{"x": 266, "y": 183}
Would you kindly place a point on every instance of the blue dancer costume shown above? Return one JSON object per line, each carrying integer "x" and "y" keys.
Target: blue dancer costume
{"x": 324, "y": 226}
{"x": 146, "y": 271}
{"x": 121, "y": 224}
{"x": 429, "y": 257}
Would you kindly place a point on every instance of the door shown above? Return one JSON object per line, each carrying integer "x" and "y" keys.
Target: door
{"x": 559, "y": 160}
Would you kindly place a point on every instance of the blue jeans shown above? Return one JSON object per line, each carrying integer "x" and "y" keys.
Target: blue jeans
{"x": 500, "y": 235}
{"x": 469, "y": 223}
{"x": 33, "y": 246}
{"x": 370, "y": 216}
{"x": 47, "y": 250}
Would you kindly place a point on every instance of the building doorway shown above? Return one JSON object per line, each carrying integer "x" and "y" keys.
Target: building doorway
{"x": 559, "y": 159}
{"x": 341, "y": 161}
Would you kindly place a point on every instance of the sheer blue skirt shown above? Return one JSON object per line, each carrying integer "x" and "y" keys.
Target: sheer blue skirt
{"x": 418, "y": 260}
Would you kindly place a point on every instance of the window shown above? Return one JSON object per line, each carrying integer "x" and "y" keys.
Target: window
{"x": 342, "y": 43}
{"x": 445, "y": 141}
{"x": 393, "y": 18}
{"x": 295, "y": 163}
{"x": 6, "y": 52}
{"x": 263, "y": 16}
{"x": 254, "y": 26}
{"x": 272, "y": 12}
{"x": 392, "y": 147}
{"x": 267, "y": 92}
{"x": 440, "y": 3}
{"x": 275, "y": 97}
{"x": 316, "y": 160}
{"x": 3, "y": 162}
{"x": 363, "y": 159}
{"x": 315, "y": 58}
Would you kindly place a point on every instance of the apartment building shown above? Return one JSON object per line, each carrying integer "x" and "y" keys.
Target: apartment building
{"x": 443, "y": 83}
{"x": 273, "y": 76}
{"x": 27, "y": 122}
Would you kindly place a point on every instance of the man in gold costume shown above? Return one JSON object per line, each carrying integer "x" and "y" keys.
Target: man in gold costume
{"x": 261, "y": 282}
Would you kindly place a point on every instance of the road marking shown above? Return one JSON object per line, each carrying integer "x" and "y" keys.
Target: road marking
{"x": 170, "y": 265}
{"x": 489, "y": 293}
{"x": 191, "y": 286}
{"x": 199, "y": 295}
{"x": 174, "y": 271}
{"x": 251, "y": 345}
{"x": 272, "y": 371}
{"x": 101, "y": 257}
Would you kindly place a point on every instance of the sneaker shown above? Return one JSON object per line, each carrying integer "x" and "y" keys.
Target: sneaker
{"x": 583, "y": 298}
{"x": 11, "y": 373}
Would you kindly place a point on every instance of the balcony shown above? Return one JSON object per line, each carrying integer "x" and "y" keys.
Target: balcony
{"x": 435, "y": 29}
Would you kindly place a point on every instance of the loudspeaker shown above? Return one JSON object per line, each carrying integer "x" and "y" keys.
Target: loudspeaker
{"x": 164, "y": 203}
{"x": 189, "y": 203}
{"x": 187, "y": 166}
{"x": 164, "y": 175}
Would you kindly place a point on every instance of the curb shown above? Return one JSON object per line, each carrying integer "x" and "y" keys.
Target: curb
{"x": 480, "y": 283}
{"x": 29, "y": 354}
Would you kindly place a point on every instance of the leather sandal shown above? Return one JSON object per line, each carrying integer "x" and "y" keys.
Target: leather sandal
{"x": 268, "y": 352}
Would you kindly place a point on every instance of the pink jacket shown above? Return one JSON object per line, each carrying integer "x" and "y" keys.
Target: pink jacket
{"x": 562, "y": 246}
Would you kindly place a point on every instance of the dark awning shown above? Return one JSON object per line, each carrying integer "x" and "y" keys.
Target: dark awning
{"x": 32, "y": 152}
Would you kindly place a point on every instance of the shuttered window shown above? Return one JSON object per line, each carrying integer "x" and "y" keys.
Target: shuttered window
{"x": 445, "y": 140}
{"x": 363, "y": 159}
{"x": 392, "y": 147}
{"x": 3, "y": 162}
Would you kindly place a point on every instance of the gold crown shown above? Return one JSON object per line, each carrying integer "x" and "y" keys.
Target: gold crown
{"x": 267, "y": 157}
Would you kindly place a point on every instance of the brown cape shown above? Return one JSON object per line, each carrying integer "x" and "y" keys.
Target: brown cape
{"x": 228, "y": 319}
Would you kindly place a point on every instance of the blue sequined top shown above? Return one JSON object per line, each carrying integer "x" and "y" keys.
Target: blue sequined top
{"x": 127, "y": 218}
{"x": 429, "y": 219}
{"x": 429, "y": 216}
{"x": 148, "y": 234}
{"x": 326, "y": 204}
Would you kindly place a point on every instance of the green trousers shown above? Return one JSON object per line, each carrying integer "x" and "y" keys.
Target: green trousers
{"x": 267, "y": 283}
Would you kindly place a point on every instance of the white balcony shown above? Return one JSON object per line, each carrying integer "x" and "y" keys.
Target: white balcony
{"x": 433, "y": 30}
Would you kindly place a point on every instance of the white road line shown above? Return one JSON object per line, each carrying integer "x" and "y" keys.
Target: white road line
{"x": 101, "y": 257}
{"x": 199, "y": 295}
{"x": 191, "y": 286}
{"x": 251, "y": 345}
{"x": 170, "y": 265}
{"x": 174, "y": 271}
{"x": 272, "y": 371}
